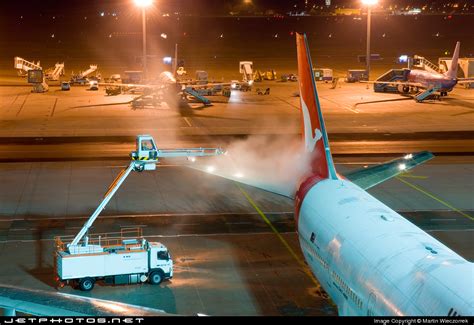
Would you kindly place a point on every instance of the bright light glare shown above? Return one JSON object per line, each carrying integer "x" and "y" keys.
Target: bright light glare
{"x": 238, "y": 175}
{"x": 210, "y": 169}
{"x": 192, "y": 159}
{"x": 143, "y": 3}
{"x": 403, "y": 58}
{"x": 370, "y": 2}
{"x": 163, "y": 35}
{"x": 402, "y": 166}
{"x": 409, "y": 156}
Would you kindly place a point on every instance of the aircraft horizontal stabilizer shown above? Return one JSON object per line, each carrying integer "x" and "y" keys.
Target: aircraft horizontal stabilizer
{"x": 465, "y": 80}
{"x": 367, "y": 178}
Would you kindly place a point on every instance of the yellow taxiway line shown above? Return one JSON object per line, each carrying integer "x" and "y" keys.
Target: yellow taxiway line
{"x": 280, "y": 237}
{"x": 419, "y": 189}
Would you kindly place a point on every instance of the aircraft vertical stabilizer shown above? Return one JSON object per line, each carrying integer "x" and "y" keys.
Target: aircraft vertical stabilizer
{"x": 453, "y": 69}
{"x": 314, "y": 132}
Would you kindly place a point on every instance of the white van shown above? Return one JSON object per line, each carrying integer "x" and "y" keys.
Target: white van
{"x": 93, "y": 85}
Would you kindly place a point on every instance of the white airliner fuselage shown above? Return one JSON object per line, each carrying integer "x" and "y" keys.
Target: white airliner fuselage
{"x": 372, "y": 261}
{"x": 369, "y": 259}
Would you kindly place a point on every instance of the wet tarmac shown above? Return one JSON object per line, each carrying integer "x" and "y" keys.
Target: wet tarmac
{"x": 61, "y": 150}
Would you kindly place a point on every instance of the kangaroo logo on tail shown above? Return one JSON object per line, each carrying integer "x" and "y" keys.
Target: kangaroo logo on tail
{"x": 310, "y": 140}
{"x": 315, "y": 135}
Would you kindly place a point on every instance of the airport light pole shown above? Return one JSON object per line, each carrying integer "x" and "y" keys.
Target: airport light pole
{"x": 143, "y": 4}
{"x": 369, "y": 4}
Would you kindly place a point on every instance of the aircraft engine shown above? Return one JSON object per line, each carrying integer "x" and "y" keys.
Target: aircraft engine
{"x": 403, "y": 89}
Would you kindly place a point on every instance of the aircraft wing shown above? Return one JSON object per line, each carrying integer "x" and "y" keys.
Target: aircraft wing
{"x": 369, "y": 177}
{"x": 364, "y": 177}
{"x": 49, "y": 303}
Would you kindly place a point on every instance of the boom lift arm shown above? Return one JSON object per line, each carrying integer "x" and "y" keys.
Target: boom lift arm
{"x": 144, "y": 158}
{"x": 108, "y": 196}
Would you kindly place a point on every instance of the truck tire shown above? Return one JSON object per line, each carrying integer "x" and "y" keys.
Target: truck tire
{"x": 156, "y": 277}
{"x": 86, "y": 284}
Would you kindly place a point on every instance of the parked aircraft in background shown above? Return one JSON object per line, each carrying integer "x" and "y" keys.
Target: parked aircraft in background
{"x": 167, "y": 87}
{"x": 422, "y": 83}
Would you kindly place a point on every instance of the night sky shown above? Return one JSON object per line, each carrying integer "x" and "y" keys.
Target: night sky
{"x": 203, "y": 7}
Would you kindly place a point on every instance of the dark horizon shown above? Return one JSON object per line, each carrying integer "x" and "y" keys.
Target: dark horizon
{"x": 200, "y": 7}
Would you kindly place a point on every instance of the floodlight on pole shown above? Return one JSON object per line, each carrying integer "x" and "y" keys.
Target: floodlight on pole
{"x": 369, "y": 4}
{"x": 144, "y": 4}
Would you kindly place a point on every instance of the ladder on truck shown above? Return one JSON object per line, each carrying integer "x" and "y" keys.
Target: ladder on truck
{"x": 87, "y": 72}
{"x": 81, "y": 77}
{"x": 145, "y": 157}
{"x": 390, "y": 76}
{"x": 54, "y": 73}
{"x": 23, "y": 66}
{"x": 422, "y": 63}
{"x": 193, "y": 93}
{"x": 246, "y": 69}
{"x": 421, "y": 96}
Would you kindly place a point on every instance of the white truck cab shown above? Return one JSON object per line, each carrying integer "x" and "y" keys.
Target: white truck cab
{"x": 160, "y": 260}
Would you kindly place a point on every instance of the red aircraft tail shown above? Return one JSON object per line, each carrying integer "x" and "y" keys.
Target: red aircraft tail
{"x": 315, "y": 136}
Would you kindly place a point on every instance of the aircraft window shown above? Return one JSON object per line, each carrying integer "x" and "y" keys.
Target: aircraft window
{"x": 431, "y": 250}
{"x": 386, "y": 218}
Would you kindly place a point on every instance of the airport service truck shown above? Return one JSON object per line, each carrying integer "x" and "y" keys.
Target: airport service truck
{"x": 125, "y": 257}
{"x": 117, "y": 260}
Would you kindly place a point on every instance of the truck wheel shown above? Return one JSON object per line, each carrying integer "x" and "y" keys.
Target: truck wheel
{"x": 156, "y": 278}
{"x": 86, "y": 284}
